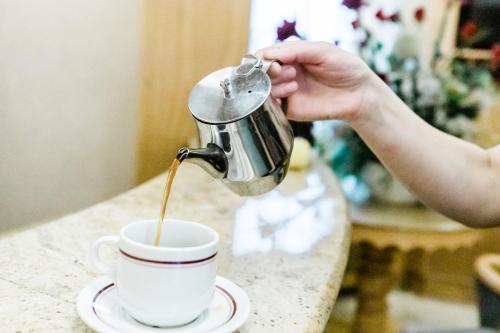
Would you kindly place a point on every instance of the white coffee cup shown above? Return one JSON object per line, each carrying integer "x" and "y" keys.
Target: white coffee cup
{"x": 166, "y": 285}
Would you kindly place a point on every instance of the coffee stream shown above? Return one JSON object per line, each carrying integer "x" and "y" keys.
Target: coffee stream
{"x": 166, "y": 194}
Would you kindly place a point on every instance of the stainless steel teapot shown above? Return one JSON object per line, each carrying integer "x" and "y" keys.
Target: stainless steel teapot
{"x": 246, "y": 138}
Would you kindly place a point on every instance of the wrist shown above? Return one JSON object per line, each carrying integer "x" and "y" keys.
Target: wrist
{"x": 375, "y": 93}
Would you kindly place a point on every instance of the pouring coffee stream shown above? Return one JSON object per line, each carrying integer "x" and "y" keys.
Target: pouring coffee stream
{"x": 245, "y": 138}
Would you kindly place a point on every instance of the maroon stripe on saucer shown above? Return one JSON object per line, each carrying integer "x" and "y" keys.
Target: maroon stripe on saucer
{"x": 168, "y": 262}
{"x": 228, "y": 295}
{"x": 99, "y": 294}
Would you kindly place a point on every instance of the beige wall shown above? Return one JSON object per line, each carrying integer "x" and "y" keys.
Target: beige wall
{"x": 68, "y": 102}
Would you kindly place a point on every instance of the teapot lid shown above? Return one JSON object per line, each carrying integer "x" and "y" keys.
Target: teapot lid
{"x": 231, "y": 93}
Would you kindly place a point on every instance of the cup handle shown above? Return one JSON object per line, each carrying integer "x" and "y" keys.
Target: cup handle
{"x": 99, "y": 265}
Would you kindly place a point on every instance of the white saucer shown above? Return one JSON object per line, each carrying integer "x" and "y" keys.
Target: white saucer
{"x": 99, "y": 308}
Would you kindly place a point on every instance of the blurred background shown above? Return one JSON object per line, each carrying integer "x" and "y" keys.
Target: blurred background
{"x": 93, "y": 94}
{"x": 93, "y": 99}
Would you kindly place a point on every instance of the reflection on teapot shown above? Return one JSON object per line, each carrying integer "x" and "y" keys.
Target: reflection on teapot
{"x": 245, "y": 137}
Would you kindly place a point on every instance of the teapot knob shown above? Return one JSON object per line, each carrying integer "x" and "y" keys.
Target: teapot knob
{"x": 226, "y": 87}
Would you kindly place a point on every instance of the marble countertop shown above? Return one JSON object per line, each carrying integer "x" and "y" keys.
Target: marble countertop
{"x": 287, "y": 249}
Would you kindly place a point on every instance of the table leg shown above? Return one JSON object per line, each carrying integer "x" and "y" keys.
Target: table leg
{"x": 377, "y": 275}
{"x": 416, "y": 263}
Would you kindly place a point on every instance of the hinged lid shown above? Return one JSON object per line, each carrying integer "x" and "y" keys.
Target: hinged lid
{"x": 231, "y": 93}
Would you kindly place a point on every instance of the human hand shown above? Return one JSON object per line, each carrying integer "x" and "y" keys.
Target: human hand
{"x": 319, "y": 80}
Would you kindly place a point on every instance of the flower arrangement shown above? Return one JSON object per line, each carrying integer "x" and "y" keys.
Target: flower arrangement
{"x": 447, "y": 96}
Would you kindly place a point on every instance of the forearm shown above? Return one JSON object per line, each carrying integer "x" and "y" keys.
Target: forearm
{"x": 455, "y": 177}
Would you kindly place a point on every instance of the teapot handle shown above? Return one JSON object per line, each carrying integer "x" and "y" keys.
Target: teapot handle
{"x": 266, "y": 64}
{"x": 262, "y": 64}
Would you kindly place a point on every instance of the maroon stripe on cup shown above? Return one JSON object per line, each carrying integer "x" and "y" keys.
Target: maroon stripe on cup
{"x": 168, "y": 262}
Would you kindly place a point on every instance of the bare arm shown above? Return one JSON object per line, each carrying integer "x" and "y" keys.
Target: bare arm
{"x": 454, "y": 177}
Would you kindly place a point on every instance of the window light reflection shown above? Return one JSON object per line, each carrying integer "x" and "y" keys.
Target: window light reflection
{"x": 279, "y": 220}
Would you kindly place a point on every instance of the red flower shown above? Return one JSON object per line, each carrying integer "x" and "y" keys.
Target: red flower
{"x": 468, "y": 30}
{"x": 394, "y": 17}
{"x": 380, "y": 15}
{"x": 495, "y": 57}
{"x": 286, "y": 30}
{"x": 419, "y": 14}
{"x": 355, "y": 24}
{"x": 353, "y": 4}
{"x": 495, "y": 61}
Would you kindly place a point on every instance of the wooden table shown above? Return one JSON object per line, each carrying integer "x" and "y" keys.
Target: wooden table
{"x": 287, "y": 250}
{"x": 384, "y": 234}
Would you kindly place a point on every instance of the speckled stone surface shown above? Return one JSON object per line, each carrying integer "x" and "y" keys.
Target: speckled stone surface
{"x": 287, "y": 250}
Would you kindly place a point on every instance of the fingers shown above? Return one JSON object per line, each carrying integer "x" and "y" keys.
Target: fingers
{"x": 287, "y": 73}
{"x": 284, "y": 90}
{"x": 274, "y": 70}
{"x": 297, "y": 51}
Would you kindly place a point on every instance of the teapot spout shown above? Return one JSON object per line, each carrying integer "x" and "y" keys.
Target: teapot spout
{"x": 212, "y": 159}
